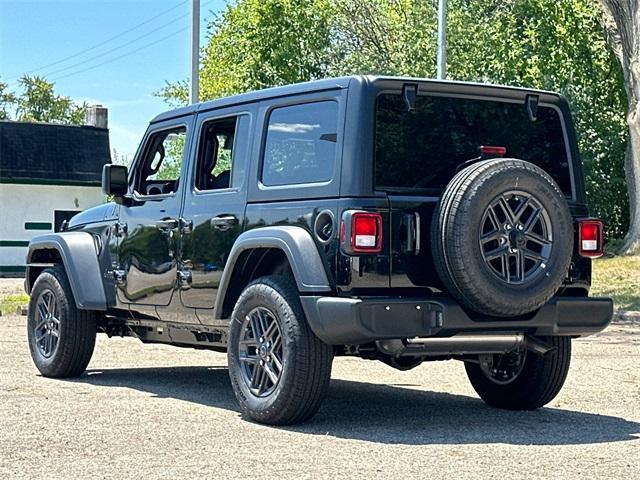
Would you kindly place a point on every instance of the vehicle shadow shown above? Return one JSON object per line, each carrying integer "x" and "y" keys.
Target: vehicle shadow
{"x": 387, "y": 414}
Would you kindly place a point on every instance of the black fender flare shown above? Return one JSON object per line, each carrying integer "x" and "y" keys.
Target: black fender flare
{"x": 80, "y": 261}
{"x": 297, "y": 244}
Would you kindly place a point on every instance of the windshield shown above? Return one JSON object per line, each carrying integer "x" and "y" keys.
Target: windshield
{"x": 423, "y": 149}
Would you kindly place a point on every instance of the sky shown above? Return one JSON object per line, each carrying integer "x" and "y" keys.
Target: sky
{"x": 71, "y": 42}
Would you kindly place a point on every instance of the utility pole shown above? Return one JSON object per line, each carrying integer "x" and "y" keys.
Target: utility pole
{"x": 194, "y": 90}
{"x": 442, "y": 40}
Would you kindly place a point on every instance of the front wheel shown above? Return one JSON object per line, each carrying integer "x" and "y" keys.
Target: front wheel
{"x": 61, "y": 337}
{"x": 279, "y": 369}
{"x": 521, "y": 381}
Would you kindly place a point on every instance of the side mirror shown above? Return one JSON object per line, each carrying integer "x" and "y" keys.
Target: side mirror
{"x": 115, "y": 180}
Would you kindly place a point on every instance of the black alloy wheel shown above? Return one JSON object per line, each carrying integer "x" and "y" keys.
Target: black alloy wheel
{"x": 516, "y": 237}
{"x": 46, "y": 331}
{"x": 261, "y": 351}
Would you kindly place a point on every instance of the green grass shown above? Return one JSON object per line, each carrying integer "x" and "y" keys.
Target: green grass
{"x": 10, "y": 303}
{"x": 618, "y": 278}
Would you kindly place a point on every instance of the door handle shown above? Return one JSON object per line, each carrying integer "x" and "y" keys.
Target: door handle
{"x": 167, "y": 224}
{"x": 224, "y": 222}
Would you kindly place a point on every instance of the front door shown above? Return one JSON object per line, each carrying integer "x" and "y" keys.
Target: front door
{"x": 149, "y": 225}
{"x": 214, "y": 211}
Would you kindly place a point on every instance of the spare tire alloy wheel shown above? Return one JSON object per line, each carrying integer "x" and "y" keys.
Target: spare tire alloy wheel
{"x": 261, "y": 352}
{"x": 516, "y": 237}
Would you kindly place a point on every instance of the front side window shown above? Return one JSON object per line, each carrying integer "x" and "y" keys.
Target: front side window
{"x": 301, "y": 144}
{"x": 159, "y": 170}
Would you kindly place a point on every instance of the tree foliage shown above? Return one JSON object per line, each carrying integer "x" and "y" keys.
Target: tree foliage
{"x": 548, "y": 44}
{"x": 255, "y": 44}
{"x": 38, "y": 102}
{"x": 622, "y": 23}
{"x": 7, "y": 100}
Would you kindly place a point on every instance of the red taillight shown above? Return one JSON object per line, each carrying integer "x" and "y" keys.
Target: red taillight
{"x": 590, "y": 238}
{"x": 366, "y": 232}
{"x": 360, "y": 232}
{"x": 493, "y": 151}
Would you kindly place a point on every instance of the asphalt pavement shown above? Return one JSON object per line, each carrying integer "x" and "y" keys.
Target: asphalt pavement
{"x": 152, "y": 411}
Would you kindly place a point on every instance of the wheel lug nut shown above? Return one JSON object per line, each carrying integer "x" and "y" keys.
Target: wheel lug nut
{"x": 520, "y": 227}
{"x": 261, "y": 363}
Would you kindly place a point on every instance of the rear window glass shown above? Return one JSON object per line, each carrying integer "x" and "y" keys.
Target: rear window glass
{"x": 422, "y": 149}
{"x": 301, "y": 144}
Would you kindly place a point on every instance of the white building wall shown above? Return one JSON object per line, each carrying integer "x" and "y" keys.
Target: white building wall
{"x": 20, "y": 204}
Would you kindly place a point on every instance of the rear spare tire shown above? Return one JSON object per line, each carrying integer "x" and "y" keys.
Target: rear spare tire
{"x": 502, "y": 237}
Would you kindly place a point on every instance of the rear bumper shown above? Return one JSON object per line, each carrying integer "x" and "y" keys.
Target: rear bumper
{"x": 340, "y": 321}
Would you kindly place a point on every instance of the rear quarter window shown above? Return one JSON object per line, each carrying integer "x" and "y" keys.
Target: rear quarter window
{"x": 422, "y": 149}
{"x": 300, "y": 144}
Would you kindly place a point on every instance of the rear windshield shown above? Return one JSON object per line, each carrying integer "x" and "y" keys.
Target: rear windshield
{"x": 422, "y": 149}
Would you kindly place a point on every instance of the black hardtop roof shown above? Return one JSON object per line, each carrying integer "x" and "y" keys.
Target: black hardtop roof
{"x": 453, "y": 86}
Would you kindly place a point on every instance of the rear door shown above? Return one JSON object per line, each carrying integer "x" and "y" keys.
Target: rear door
{"x": 213, "y": 212}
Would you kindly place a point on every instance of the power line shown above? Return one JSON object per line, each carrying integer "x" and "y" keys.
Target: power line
{"x": 119, "y": 47}
{"x": 97, "y": 45}
{"x": 120, "y": 56}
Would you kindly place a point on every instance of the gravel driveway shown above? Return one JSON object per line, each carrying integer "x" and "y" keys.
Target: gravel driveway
{"x": 158, "y": 411}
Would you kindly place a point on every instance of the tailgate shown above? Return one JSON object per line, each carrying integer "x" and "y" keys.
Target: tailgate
{"x": 410, "y": 247}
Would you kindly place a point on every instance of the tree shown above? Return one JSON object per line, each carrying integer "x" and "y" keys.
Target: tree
{"x": 256, "y": 44}
{"x": 38, "y": 102}
{"x": 7, "y": 99}
{"x": 559, "y": 46}
{"x": 548, "y": 44}
{"x": 622, "y": 22}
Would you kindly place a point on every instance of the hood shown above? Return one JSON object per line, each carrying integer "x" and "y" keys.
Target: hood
{"x": 100, "y": 213}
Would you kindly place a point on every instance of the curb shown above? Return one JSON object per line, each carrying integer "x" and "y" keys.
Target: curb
{"x": 626, "y": 316}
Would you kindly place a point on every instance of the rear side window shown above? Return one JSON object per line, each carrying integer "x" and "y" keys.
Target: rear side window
{"x": 422, "y": 149}
{"x": 301, "y": 144}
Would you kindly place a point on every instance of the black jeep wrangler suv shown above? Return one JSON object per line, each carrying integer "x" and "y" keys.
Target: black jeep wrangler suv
{"x": 396, "y": 219}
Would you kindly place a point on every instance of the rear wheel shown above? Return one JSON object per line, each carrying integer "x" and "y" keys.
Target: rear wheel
{"x": 279, "y": 369}
{"x": 61, "y": 337}
{"x": 521, "y": 381}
